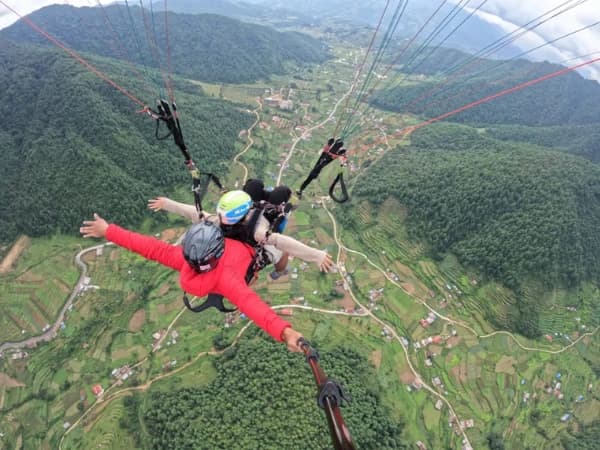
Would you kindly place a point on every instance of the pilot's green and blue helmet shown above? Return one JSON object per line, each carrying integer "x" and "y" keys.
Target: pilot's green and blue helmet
{"x": 233, "y": 207}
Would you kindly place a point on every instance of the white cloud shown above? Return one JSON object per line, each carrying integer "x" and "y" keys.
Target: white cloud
{"x": 25, "y": 7}
{"x": 511, "y": 14}
{"x": 508, "y": 14}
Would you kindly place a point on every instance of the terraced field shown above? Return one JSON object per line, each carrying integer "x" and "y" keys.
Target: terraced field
{"x": 35, "y": 289}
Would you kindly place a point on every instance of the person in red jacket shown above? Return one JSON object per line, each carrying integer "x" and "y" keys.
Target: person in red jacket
{"x": 207, "y": 262}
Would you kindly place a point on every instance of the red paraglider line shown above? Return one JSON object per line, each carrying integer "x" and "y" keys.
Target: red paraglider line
{"x": 75, "y": 55}
{"x": 516, "y": 88}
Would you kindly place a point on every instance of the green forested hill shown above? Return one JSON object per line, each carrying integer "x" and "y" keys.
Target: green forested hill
{"x": 566, "y": 100}
{"x": 513, "y": 212}
{"x": 72, "y": 145}
{"x": 205, "y": 47}
{"x": 224, "y": 413}
{"x": 581, "y": 140}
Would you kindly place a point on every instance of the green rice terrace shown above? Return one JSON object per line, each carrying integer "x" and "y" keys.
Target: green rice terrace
{"x": 442, "y": 367}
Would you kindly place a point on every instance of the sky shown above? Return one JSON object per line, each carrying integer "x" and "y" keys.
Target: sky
{"x": 27, "y": 6}
{"x": 508, "y": 14}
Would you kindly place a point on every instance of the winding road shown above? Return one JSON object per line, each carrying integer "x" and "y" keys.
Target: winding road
{"x": 51, "y": 333}
{"x": 236, "y": 158}
{"x": 284, "y": 164}
{"x": 112, "y": 392}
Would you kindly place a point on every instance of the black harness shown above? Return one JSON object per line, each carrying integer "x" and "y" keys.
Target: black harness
{"x": 243, "y": 231}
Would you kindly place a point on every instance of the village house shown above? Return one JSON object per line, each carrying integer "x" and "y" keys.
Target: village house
{"x": 97, "y": 390}
{"x": 272, "y": 101}
{"x": 428, "y": 320}
{"x": 417, "y": 384}
{"x": 19, "y": 355}
{"x": 122, "y": 373}
{"x": 465, "y": 424}
{"x": 431, "y": 340}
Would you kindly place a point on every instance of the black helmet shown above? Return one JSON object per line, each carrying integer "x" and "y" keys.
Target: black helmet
{"x": 256, "y": 189}
{"x": 281, "y": 194}
{"x": 203, "y": 245}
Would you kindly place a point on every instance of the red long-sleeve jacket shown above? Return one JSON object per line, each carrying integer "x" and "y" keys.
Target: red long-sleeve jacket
{"x": 226, "y": 279}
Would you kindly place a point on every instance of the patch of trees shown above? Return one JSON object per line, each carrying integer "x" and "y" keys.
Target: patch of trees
{"x": 495, "y": 441}
{"x": 581, "y": 140}
{"x": 73, "y": 145}
{"x": 264, "y": 397}
{"x": 206, "y": 47}
{"x": 586, "y": 439}
{"x": 512, "y": 212}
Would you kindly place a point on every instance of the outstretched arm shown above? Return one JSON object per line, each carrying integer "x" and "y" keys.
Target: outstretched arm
{"x": 299, "y": 250}
{"x": 149, "y": 247}
{"x": 292, "y": 246}
{"x": 166, "y": 204}
{"x": 259, "y": 312}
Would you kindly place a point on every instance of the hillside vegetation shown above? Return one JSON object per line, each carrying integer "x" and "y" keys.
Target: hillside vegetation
{"x": 581, "y": 140}
{"x": 566, "y": 100}
{"x": 513, "y": 212}
{"x": 205, "y": 47}
{"x": 72, "y": 145}
{"x": 223, "y": 414}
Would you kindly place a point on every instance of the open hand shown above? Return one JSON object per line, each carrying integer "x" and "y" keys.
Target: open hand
{"x": 327, "y": 264}
{"x": 94, "y": 228}
{"x": 158, "y": 203}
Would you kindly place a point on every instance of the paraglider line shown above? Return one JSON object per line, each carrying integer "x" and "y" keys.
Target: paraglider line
{"x": 75, "y": 55}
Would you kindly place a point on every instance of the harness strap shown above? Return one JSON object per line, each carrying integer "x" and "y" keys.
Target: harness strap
{"x": 339, "y": 179}
{"x": 213, "y": 300}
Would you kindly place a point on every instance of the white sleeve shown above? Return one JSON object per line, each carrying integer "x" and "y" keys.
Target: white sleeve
{"x": 182, "y": 209}
{"x": 287, "y": 244}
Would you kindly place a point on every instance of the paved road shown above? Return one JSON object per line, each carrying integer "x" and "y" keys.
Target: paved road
{"x": 50, "y": 334}
{"x": 284, "y": 164}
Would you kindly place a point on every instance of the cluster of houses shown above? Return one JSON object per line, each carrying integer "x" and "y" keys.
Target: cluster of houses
{"x": 460, "y": 425}
{"x": 465, "y": 445}
{"x": 15, "y": 355}
{"x": 427, "y": 321}
{"x": 375, "y": 294}
{"x": 85, "y": 285}
{"x": 231, "y": 319}
{"x": 386, "y": 333}
{"x": 158, "y": 335}
{"x": 280, "y": 122}
{"x": 122, "y": 373}
{"x": 393, "y": 275}
{"x": 428, "y": 340}
{"x": 169, "y": 365}
{"x": 554, "y": 387}
{"x": 304, "y": 133}
{"x": 277, "y": 101}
